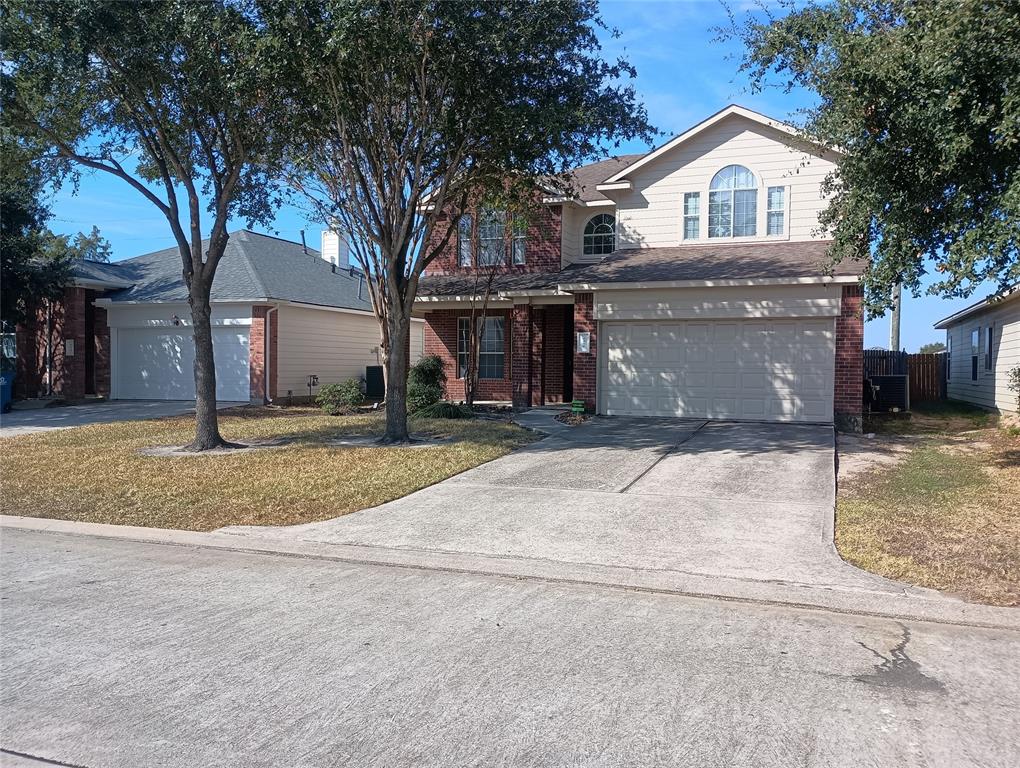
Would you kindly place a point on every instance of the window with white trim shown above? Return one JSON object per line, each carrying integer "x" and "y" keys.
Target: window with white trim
{"x": 519, "y": 243}
{"x": 464, "y": 249}
{"x": 692, "y": 215}
{"x": 975, "y": 350}
{"x": 491, "y": 237}
{"x": 733, "y": 203}
{"x": 776, "y": 211}
{"x": 989, "y": 342}
{"x": 600, "y": 235}
{"x": 491, "y": 349}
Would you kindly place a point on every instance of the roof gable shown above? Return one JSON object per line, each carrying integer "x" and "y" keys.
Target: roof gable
{"x": 621, "y": 175}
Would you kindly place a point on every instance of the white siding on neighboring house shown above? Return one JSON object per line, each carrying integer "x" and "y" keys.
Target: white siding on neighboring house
{"x": 335, "y": 346}
{"x": 650, "y": 215}
{"x": 990, "y": 388}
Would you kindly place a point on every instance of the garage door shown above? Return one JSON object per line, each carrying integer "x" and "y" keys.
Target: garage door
{"x": 157, "y": 364}
{"x": 772, "y": 370}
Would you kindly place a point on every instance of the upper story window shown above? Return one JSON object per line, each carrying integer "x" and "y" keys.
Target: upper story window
{"x": 776, "y": 211}
{"x": 464, "y": 249}
{"x": 692, "y": 215}
{"x": 491, "y": 234}
{"x": 733, "y": 203}
{"x": 519, "y": 243}
{"x": 600, "y": 235}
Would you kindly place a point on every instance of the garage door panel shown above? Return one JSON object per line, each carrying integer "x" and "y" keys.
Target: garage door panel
{"x": 749, "y": 369}
{"x": 154, "y": 364}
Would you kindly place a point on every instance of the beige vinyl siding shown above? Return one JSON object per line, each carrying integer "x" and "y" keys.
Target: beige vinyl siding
{"x": 334, "y": 346}
{"x": 650, "y": 215}
{"x": 571, "y": 226}
{"x": 990, "y": 390}
{"x": 724, "y": 302}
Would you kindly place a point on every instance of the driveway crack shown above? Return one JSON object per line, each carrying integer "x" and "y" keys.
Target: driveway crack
{"x": 684, "y": 437}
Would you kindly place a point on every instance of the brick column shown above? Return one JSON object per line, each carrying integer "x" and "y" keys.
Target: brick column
{"x": 260, "y": 389}
{"x": 848, "y": 401}
{"x": 101, "y": 361}
{"x": 537, "y": 355}
{"x": 520, "y": 355}
{"x": 71, "y": 380}
{"x": 585, "y": 363}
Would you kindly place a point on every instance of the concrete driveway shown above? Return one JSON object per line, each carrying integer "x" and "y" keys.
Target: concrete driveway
{"x": 101, "y": 412}
{"x": 740, "y": 501}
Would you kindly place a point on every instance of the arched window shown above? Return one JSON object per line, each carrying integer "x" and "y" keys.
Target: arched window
{"x": 600, "y": 235}
{"x": 733, "y": 203}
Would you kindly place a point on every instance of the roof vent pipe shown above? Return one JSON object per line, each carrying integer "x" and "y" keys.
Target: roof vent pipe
{"x": 304, "y": 246}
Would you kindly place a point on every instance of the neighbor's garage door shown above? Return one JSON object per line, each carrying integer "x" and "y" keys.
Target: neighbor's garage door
{"x": 774, "y": 370}
{"x": 157, "y": 364}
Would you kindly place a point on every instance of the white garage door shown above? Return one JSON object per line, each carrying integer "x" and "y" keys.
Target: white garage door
{"x": 159, "y": 364}
{"x": 772, "y": 370}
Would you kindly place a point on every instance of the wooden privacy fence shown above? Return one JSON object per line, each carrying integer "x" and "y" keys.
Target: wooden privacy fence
{"x": 927, "y": 372}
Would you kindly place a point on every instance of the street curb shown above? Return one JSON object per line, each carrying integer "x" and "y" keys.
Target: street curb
{"x": 900, "y": 605}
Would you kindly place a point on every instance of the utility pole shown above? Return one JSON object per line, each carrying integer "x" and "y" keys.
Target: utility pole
{"x": 894, "y": 319}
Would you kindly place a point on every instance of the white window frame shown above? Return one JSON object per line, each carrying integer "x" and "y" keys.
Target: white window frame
{"x": 989, "y": 345}
{"x": 975, "y": 352}
{"x": 784, "y": 211}
{"x": 491, "y": 238}
{"x": 732, "y": 198}
{"x": 585, "y": 236}
{"x": 462, "y": 350}
{"x": 519, "y": 241}
{"x": 695, "y": 217}
{"x": 465, "y": 248}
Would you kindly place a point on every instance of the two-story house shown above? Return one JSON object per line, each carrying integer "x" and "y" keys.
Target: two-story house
{"x": 689, "y": 281}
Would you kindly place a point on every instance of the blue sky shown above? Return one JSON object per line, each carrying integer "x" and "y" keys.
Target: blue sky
{"x": 684, "y": 75}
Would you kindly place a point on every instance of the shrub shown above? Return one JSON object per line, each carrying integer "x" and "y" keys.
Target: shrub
{"x": 446, "y": 410}
{"x": 1013, "y": 382}
{"x": 340, "y": 399}
{"x": 425, "y": 383}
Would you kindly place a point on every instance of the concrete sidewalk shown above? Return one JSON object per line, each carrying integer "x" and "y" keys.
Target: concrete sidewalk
{"x": 101, "y": 412}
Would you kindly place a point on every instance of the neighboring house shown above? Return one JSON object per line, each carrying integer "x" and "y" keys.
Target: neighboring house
{"x": 688, "y": 281}
{"x": 982, "y": 346}
{"x": 122, "y": 329}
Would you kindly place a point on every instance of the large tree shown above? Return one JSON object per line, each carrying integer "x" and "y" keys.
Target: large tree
{"x": 922, "y": 99}
{"x": 415, "y": 107}
{"x": 173, "y": 97}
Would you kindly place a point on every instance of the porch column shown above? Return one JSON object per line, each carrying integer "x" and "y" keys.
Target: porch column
{"x": 585, "y": 363}
{"x": 537, "y": 355}
{"x": 521, "y": 355}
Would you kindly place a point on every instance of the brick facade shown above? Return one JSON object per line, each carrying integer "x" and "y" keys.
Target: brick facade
{"x": 585, "y": 363}
{"x": 848, "y": 402}
{"x": 441, "y": 340}
{"x": 257, "y": 355}
{"x": 542, "y": 252}
{"x": 80, "y": 349}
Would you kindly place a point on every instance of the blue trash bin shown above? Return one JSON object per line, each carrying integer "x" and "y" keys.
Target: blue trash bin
{"x": 6, "y": 385}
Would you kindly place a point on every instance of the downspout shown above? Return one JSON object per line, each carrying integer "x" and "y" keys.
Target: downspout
{"x": 267, "y": 356}
{"x": 49, "y": 348}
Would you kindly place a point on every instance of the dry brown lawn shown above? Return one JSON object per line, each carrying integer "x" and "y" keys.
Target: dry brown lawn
{"x": 97, "y": 474}
{"x": 947, "y": 514}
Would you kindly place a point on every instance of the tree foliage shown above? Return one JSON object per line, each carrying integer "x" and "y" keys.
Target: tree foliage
{"x": 923, "y": 99}
{"x": 411, "y": 107}
{"x": 932, "y": 347}
{"x": 174, "y": 97}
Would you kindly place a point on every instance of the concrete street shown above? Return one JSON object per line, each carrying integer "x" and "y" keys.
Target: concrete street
{"x": 123, "y": 653}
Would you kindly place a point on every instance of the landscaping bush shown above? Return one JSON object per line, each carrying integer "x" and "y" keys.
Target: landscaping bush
{"x": 340, "y": 399}
{"x": 1013, "y": 382}
{"x": 446, "y": 410}
{"x": 425, "y": 383}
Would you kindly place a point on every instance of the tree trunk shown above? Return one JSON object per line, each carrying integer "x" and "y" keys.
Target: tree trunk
{"x": 207, "y": 429}
{"x": 396, "y": 378}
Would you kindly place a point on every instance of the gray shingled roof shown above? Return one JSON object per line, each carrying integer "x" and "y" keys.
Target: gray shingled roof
{"x": 715, "y": 262}
{"x": 587, "y": 177}
{"x": 98, "y": 272}
{"x": 254, "y": 267}
{"x": 467, "y": 285}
